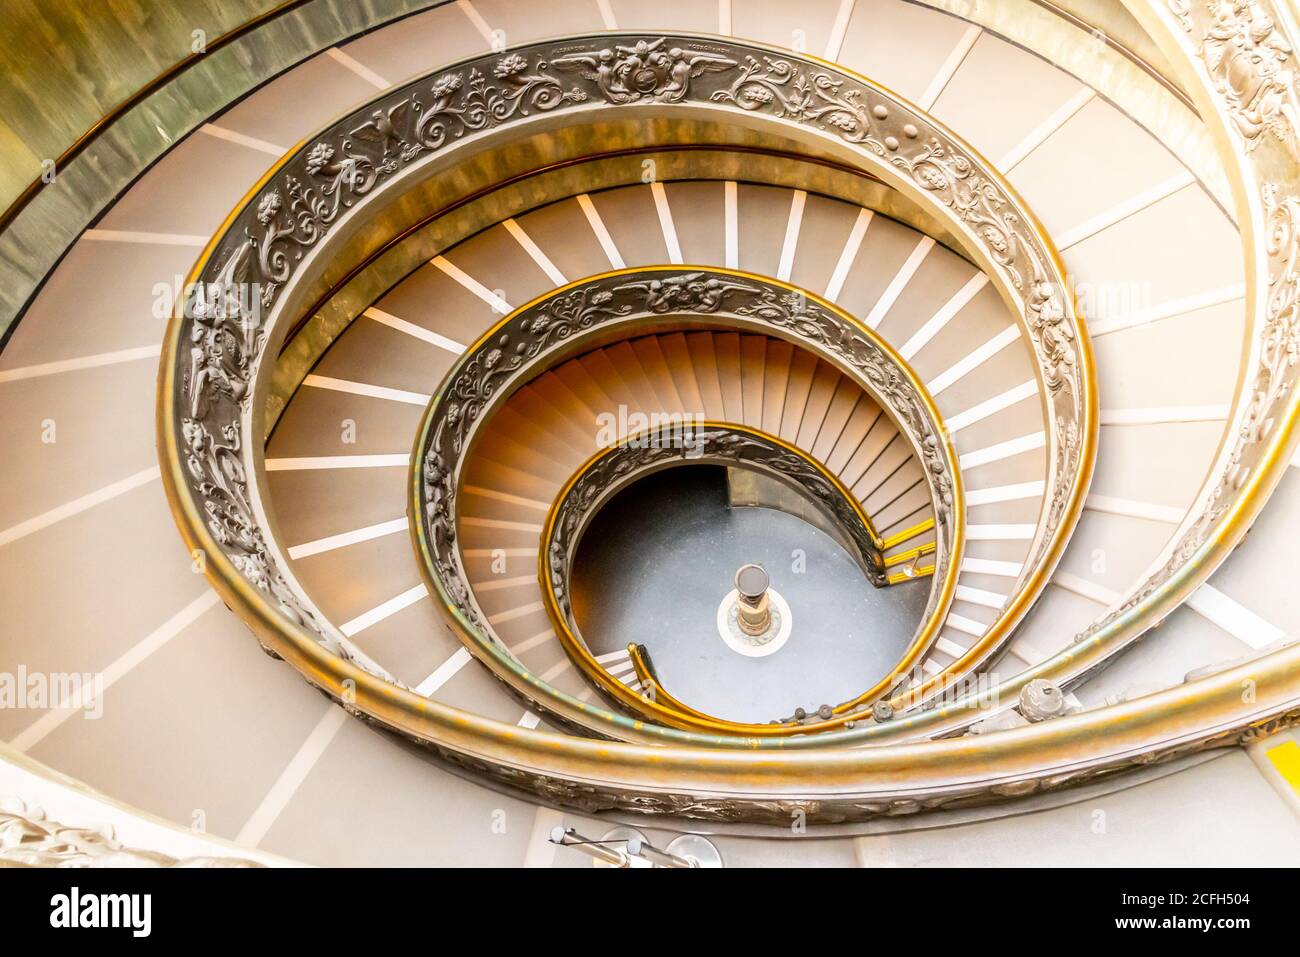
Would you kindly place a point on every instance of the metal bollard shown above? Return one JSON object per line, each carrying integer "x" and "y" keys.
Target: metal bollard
{"x": 752, "y": 611}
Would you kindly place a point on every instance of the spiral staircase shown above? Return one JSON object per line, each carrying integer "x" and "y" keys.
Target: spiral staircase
{"x": 1004, "y": 295}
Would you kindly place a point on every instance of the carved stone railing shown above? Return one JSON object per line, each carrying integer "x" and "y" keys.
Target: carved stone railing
{"x": 635, "y": 457}
{"x": 50, "y": 820}
{"x": 269, "y": 253}
{"x": 208, "y": 482}
{"x": 536, "y": 337}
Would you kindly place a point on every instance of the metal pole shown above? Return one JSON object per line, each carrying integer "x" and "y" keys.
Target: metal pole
{"x": 568, "y": 837}
{"x": 655, "y": 856}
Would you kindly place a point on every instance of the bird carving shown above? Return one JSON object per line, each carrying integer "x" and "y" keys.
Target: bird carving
{"x": 382, "y": 128}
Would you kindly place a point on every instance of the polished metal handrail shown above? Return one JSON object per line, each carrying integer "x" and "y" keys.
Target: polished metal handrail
{"x": 138, "y": 96}
{"x": 540, "y": 334}
{"x": 632, "y": 458}
{"x": 305, "y": 198}
{"x": 857, "y": 783}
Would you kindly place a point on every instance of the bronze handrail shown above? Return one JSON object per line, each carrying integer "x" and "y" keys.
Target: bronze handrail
{"x": 556, "y": 324}
{"x": 856, "y": 783}
{"x": 567, "y": 519}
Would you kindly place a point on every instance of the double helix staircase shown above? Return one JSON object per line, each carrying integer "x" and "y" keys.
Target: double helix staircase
{"x": 1152, "y": 201}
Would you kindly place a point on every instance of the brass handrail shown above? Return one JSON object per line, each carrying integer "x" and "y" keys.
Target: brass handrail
{"x": 568, "y": 519}
{"x": 859, "y": 783}
{"x": 541, "y": 333}
{"x": 1012, "y": 245}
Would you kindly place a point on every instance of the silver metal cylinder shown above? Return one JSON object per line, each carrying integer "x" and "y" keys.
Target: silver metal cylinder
{"x": 568, "y": 837}
{"x": 753, "y": 612}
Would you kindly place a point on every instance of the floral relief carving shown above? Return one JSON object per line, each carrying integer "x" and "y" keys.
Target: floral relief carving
{"x": 1243, "y": 50}
{"x": 346, "y": 165}
{"x": 1246, "y": 55}
{"x": 522, "y": 348}
{"x": 1250, "y": 63}
{"x": 815, "y": 97}
{"x": 624, "y": 462}
{"x": 30, "y": 839}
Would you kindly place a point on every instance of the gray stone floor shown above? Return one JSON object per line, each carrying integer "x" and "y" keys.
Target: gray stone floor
{"x": 657, "y": 561}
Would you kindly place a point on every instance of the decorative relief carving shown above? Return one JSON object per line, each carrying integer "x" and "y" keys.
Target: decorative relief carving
{"x": 304, "y": 200}
{"x": 645, "y": 70}
{"x": 1246, "y": 55}
{"x": 593, "y": 798}
{"x": 1243, "y": 51}
{"x": 29, "y": 839}
{"x": 624, "y": 463}
{"x": 1270, "y": 390}
{"x": 521, "y": 347}
{"x": 812, "y": 96}
{"x": 1249, "y": 63}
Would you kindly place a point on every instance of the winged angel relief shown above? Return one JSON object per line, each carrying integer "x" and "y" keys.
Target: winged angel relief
{"x": 644, "y": 70}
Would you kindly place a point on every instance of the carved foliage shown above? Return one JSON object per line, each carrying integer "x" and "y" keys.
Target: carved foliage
{"x": 522, "y": 347}
{"x": 623, "y": 463}
{"x": 307, "y": 197}
{"x": 29, "y": 839}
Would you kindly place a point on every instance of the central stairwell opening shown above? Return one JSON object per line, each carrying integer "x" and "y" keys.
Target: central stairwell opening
{"x": 660, "y": 556}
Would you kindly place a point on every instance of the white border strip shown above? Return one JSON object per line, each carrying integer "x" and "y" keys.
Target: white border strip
{"x": 666, "y": 222}
{"x": 476, "y": 18}
{"x": 791, "y": 243}
{"x": 303, "y": 463}
{"x": 993, "y": 406}
{"x": 1003, "y": 450}
{"x": 1130, "y": 207}
{"x": 1086, "y": 589}
{"x": 385, "y": 610}
{"x": 535, "y": 252}
{"x": 899, "y": 282}
{"x": 1235, "y": 618}
{"x": 143, "y": 238}
{"x": 1005, "y": 493}
{"x": 240, "y": 139}
{"x": 343, "y": 539}
{"x": 493, "y": 299}
{"x": 835, "y": 42}
{"x": 1044, "y": 130}
{"x": 295, "y": 772}
{"x": 731, "y": 223}
{"x": 35, "y": 733}
{"x": 973, "y": 360}
{"x": 950, "y": 67}
{"x": 1162, "y": 415}
{"x": 444, "y": 673}
{"x": 411, "y": 329}
{"x": 1168, "y": 310}
{"x": 79, "y": 363}
{"x": 360, "y": 69}
{"x": 78, "y": 505}
{"x": 1128, "y": 508}
{"x": 365, "y": 389}
{"x": 848, "y": 255}
{"x": 945, "y": 315}
{"x": 602, "y": 233}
